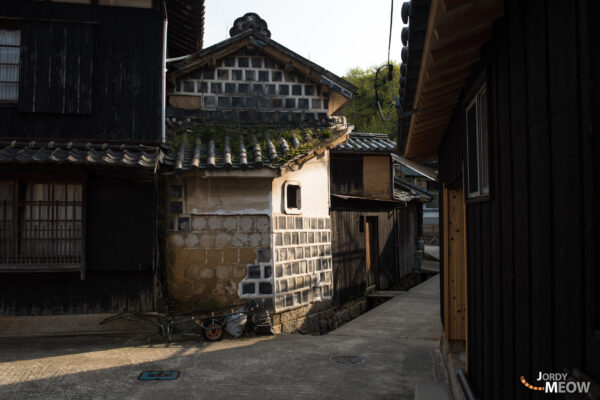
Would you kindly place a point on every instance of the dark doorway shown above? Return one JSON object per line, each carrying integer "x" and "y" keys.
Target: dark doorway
{"x": 372, "y": 252}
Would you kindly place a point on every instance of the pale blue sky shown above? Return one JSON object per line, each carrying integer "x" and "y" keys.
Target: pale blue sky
{"x": 336, "y": 34}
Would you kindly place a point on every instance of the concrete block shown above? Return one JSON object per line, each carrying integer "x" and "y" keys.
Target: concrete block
{"x": 264, "y": 255}
{"x": 302, "y": 237}
{"x": 199, "y": 223}
{"x": 254, "y": 239}
{"x": 207, "y": 273}
{"x": 223, "y": 240}
{"x": 287, "y": 239}
{"x": 214, "y": 222}
{"x": 230, "y": 223}
{"x": 278, "y": 239}
{"x": 298, "y": 223}
{"x": 278, "y": 271}
{"x": 247, "y": 255}
{"x": 230, "y": 255}
{"x": 265, "y": 240}
{"x": 223, "y": 272}
{"x": 245, "y": 223}
{"x": 214, "y": 257}
{"x": 238, "y": 271}
{"x": 238, "y": 239}
{"x": 262, "y": 223}
{"x": 311, "y": 237}
{"x": 207, "y": 240}
{"x": 290, "y": 222}
{"x": 191, "y": 240}
{"x": 176, "y": 240}
{"x": 281, "y": 225}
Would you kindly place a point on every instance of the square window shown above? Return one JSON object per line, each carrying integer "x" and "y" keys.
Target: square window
{"x": 270, "y": 89}
{"x": 242, "y": 61}
{"x": 229, "y": 62}
{"x": 223, "y": 101}
{"x": 250, "y": 75}
{"x": 202, "y": 87}
{"x": 316, "y": 103}
{"x": 256, "y": 62}
{"x": 230, "y": 88}
{"x": 309, "y": 90}
{"x": 237, "y": 102}
{"x": 277, "y": 103}
{"x": 210, "y": 101}
{"x": 269, "y": 63}
{"x": 216, "y": 87}
{"x": 251, "y": 102}
{"x": 263, "y": 76}
{"x": 223, "y": 74}
{"x": 243, "y": 88}
{"x": 290, "y": 103}
{"x": 297, "y": 90}
{"x": 284, "y": 90}
{"x": 254, "y": 272}
{"x": 257, "y": 89}
{"x": 188, "y": 86}
{"x": 236, "y": 74}
{"x": 477, "y": 145}
{"x": 303, "y": 103}
{"x": 208, "y": 74}
{"x": 289, "y": 76}
{"x": 276, "y": 76}
{"x": 266, "y": 102}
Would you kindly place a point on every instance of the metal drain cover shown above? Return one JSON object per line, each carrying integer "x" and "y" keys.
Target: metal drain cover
{"x": 158, "y": 375}
{"x": 348, "y": 359}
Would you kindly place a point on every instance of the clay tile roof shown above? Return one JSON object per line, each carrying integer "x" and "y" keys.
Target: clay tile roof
{"x": 243, "y": 151}
{"x": 134, "y": 156}
{"x": 366, "y": 143}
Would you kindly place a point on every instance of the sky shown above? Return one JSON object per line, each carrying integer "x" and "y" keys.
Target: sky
{"x": 336, "y": 34}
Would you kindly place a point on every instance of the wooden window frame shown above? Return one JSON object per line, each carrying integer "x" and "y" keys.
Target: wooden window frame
{"x": 12, "y": 26}
{"x": 45, "y": 263}
{"x": 482, "y": 146}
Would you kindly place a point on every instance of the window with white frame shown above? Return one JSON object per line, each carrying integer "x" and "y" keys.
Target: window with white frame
{"x": 292, "y": 201}
{"x": 477, "y": 145}
{"x": 10, "y": 54}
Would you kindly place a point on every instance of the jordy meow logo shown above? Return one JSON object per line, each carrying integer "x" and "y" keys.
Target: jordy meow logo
{"x": 555, "y": 382}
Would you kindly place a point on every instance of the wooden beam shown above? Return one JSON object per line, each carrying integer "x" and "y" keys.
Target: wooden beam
{"x": 431, "y": 133}
{"x": 432, "y": 119}
{"x": 444, "y": 89}
{"x": 432, "y": 125}
{"x": 449, "y": 5}
{"x": 447, "y": 100}
{"x": 463, "y": 45}
{"x": 454, "y": 64}
{"x": 469, "y": 22}
{"x": 446, "y": 80}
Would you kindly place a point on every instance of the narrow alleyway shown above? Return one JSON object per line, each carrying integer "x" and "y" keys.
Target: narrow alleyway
{"x": 394, "y": 349}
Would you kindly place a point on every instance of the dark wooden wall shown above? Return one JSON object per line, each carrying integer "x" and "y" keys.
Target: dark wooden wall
{"x": 397, "y": 228}
{"x": 120, "y": 246}
{"x": 533, "y": 246}
{"x": 88, "y": 72}
{"x": 347, "y": 174}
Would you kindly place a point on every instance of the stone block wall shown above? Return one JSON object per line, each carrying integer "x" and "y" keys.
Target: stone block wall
{"x": 207, "y": 262}
{"x": 248, "y": 87}
{"x": 303, "y": 264}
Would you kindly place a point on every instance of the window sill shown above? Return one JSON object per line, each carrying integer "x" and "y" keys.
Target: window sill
{"x": 23, "y": 268}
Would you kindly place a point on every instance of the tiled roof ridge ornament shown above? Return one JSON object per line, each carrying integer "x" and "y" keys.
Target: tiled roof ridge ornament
{"x": 250, "y": 21}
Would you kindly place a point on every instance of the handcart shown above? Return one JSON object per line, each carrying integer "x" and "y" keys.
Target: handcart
{"x": 212, "y": 326}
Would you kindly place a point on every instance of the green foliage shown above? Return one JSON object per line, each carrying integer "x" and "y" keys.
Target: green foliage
{"x": 363, "y": 112}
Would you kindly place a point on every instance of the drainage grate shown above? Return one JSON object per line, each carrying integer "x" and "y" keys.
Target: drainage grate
{"x": 158, "y": 375}
{"x": 348, "y": 359}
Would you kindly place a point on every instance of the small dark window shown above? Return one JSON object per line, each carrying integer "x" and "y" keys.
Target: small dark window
{"x": 250, "y": 75}
{"x": 242, "y": 61}
{"x": 257, "y": 62}
{"x": 263, "y": 76}
{"x": 276, "y": 76}
{"x": 477, "y": 145}
{"x": 10, "y": 50}
{"x": 309, "y": 90}
{"x": 297, "y": 90}
{"x": 293, "y": 200}
{"x": 223, "y": 74}
{"x": 284, "y": 90}
{"x": 236, "y": 74}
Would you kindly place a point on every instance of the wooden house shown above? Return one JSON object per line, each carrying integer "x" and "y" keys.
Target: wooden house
{"x": 246, "y": 185}
{"x": 505, "y": 94}
{"x": 81, "y": 97}
{"x": 375, "y": 217}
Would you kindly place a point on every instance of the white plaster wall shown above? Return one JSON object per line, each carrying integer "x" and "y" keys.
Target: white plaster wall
{"x": 314, "y": 180}
{"x": 226, "y": 196}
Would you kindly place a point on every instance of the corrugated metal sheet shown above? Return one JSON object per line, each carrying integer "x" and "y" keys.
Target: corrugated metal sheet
{"x": 79, "y": 153}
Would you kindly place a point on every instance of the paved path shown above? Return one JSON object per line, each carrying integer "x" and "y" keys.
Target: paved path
{"x": 398, "y": 342}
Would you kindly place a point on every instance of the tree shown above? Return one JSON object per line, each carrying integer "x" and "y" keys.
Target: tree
{"x": 363, "y": 112}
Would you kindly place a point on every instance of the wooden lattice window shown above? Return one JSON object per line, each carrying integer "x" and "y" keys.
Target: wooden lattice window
{"x": 41, "y": 227}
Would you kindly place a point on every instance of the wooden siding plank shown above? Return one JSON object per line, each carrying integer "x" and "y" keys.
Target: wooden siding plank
{"x": 520, "y": 190}
{"x": 540, "y": 215}
{"x": 566, "y": 186}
